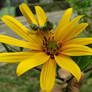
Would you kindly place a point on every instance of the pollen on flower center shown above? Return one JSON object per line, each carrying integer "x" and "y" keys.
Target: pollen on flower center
{"x": 51, "y": 47}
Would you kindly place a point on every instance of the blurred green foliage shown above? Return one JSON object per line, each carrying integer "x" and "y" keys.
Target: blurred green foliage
{"x": 28, "y": 82}
{"x": 83, "y": 7}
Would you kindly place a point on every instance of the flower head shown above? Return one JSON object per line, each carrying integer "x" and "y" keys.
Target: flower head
{"x": 48, "y": 49}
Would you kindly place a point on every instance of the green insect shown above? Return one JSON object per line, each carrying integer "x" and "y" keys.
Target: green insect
{"x": 46, "y": 27}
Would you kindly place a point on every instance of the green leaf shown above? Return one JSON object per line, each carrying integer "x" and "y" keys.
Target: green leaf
{"x": 83, "y": 61}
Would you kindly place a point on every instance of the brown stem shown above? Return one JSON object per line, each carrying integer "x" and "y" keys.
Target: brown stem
{"x": 36, "y": 68}
{"x": 88, "y": 69}
{"x": 74, "y": 85}
{"x": 56, "y": 76}
{"x": 85, "y": 71}
{"x": 67, "y": 81}
{"x": 60, "y": 78}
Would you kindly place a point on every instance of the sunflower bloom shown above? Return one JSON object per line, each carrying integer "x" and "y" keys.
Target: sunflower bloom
{"x": 54, "y": 48}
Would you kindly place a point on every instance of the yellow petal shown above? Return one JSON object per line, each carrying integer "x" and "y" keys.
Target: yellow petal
{"x": 34, "y": 60}
{"x": 68, "y": 64}
{"x": 15, "y": 56}
{"x": 27, "y": 13}
{"x": 76, "y": 19}
{"x": 16, "y": 26}
{"x": 65, "y": 29}
{"x": 75, "y": 31}
{"x": 42, "y": 18}
{"x": 48, "y": 74}
{"x": 22, "y": 30}
{"x": 37, "y": 38}
{"x": 20, "y": 43}
{"x": 80, "y": 41}
{"x": 65, "y": 19}
{"x": 76, "y": 50}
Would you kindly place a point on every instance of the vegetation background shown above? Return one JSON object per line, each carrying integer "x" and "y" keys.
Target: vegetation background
{"x": 29, "y": 82}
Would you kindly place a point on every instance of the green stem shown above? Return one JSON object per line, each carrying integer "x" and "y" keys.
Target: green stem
{"x": 5, "y": 46}
{"x": 21, "y": 48}
{"x": 9, "y": 48}
{"x": 13, "y": 48}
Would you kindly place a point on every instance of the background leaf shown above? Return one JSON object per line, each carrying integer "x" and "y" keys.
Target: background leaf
{"x": 83, "y": 61}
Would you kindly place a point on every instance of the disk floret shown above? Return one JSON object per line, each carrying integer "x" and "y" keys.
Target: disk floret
{"x": 50, "y": 46}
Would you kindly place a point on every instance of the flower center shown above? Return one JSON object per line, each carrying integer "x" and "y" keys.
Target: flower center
{"x": 51, "y": 47}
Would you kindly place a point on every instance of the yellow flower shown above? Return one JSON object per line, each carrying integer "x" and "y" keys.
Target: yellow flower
{"x": 46, "y": 50}
{"x": 42, "y": 18}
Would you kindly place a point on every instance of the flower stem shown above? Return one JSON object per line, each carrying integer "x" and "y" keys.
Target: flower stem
{"x": 57, "y": 77}
{"x": 9, "y": 48}
{"x": 5, "y": 46}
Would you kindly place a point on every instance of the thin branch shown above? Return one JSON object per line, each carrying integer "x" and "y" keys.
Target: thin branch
{"x": 88, "y": 69}
{"x": 56, "y": 76}
{"x": 9, "y": 48}
{"x": 37, "y": 69}
{"x": 67, "y": 81}
{"x": 85, "y": 71}
{"x": 60, "y": 78}
{"x": 5, "y": 46}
